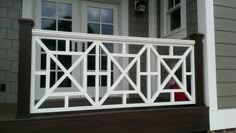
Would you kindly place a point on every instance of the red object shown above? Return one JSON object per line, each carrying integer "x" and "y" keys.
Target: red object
{"x": 179, "y": 96}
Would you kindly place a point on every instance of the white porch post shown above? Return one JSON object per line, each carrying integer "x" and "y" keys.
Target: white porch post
{"x": 152, "y": 16}
{"x": 206, "y": 26}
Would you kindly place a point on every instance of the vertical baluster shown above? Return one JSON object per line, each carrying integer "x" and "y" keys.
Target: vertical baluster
{"x": 148, "y": 73}
{"x": 97, "y": 74}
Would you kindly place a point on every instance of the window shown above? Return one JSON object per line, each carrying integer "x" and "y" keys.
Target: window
{"x": 174, "y": 18}
{"x": 56, "y": 16}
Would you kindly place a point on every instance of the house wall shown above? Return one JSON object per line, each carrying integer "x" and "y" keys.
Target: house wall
{"x": 225, "y": 34}
{"x": 10, "y": 11}
{"x": 191, "y": 13}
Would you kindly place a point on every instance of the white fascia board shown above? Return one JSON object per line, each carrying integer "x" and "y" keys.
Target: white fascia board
{"x": 206, "y": 26}
{"x": 222, "y": 119}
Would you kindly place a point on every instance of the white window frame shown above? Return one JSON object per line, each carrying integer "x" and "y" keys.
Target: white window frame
{"x": 178, "y": 33}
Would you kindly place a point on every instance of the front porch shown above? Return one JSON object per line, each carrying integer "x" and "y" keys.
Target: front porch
{"x": 136, "y": 95}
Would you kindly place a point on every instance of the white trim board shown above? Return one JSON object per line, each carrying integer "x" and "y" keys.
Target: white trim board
{"x": 222, "y": 119}
{"x": 206, "y": 26}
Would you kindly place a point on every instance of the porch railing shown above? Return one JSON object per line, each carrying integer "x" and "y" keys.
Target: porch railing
{"x": 90, "y": 72}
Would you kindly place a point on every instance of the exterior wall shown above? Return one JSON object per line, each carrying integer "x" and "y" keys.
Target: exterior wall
{"x": 191, "y": 12}
{"x": 138, "y": 24}
{"x": 10, "y": 11}
{"x": 225, "y": 33}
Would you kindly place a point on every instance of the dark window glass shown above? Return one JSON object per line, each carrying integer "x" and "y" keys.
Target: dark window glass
{"x": 43, "y": 61}
{"x": 104, "y": 63}
{"x": 52, "y": 78}
{"x": 177, "y": 2}
{"x": 48, "y": 9}
{"x": 91, "y": 62}
{"x": 93, "y": 14}
{"x": 91, "y": 81}
{"x": 50, "y": 44}
{"x": 53, "y": 65}
{"x": 175, "y": 19}
{"x": 65, "y": 60}
{"x": 107, "y": 15}
{"x": 93, "y": 49}
{"x": 42, "y": 81}
{"x": 65, "y": 11}
{"x": 66, "y": 82}
{"x": 103, "y": 80}
{"x": 61, "y": 45}
{"x": 107, "y": 29}
{"x": 48, "y": 24}
{"x": 93, "y": 28}
{"x": 64, "y": 25}
{"x": 170, "y": 4}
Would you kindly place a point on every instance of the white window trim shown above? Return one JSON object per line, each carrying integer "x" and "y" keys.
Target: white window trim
{"x": 177, "y": 33}
{"x": 31, "y": 8}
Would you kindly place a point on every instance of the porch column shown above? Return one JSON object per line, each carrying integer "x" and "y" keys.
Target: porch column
{"x": 24, "y": 75}
{"x": 206, "y": 26}
{"x": 199, "y": 71}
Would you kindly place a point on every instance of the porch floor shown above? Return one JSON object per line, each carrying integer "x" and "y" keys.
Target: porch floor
{"x": 7, "y": 111}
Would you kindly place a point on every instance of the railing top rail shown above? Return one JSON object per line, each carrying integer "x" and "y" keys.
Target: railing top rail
{"x": 109, "y": 38}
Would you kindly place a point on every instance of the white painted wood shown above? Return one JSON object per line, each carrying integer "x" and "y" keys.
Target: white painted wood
{"x": 28, "y": 9}
{"x": 97, "y": 43}
{"x": 222, "y": 119}
{"x": 110, "y": 38}
{"x": 207, "y": 27}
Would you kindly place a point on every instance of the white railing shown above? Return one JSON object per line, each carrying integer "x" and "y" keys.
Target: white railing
{"x": 137, "y": 72}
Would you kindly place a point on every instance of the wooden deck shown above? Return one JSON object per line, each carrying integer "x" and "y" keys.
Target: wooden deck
{"x": 180, "y": 119}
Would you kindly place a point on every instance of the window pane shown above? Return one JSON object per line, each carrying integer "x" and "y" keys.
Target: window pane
{"x": 52, "y": 78}
{"x": 43, "y": 61}
{"x": 61, "y": 45}
{"x": 109, "y": 47}
{"x": 177, "y": 2}
{"x": 42, "y": 81}
{"x": 104, "y": 63}
{"x": 107, "y": 29}
{"x": 65, "y": 60}
{"x": 91, "y": 81}
{"x": 170, "y": 4}
{"x": 93, "y": 14}
{"x": 48, "y": 9}
{"x": 66, "y": 82}
{"x": 50, "y": 44}
{"x": 107, "y": 15}
{"x": 93, "y": 28}
{"x": 91, "y": 62}
{"x": 64, "y": 25}
{"x": 103, "y": 80}
{"x": 48, "y": 24}
{"x": 65, "y": 11}
{"x": 175, "y": 19}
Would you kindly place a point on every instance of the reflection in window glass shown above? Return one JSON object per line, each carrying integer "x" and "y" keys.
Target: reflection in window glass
{"x": 91, "y": 81}
{"x": 170, "y": 4}
{"x": 93, "y": 28}
{"x": 64, "y": 25}
{"x": 175, "y": 19}
{"x": 107, "y": 15}
{"x": 93, "y": 14}
{"x": 48, "y": 24}
{"x": 107, "y": 29}
{"x": 48, "y": 9}
{"x": 65, "y": 11}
